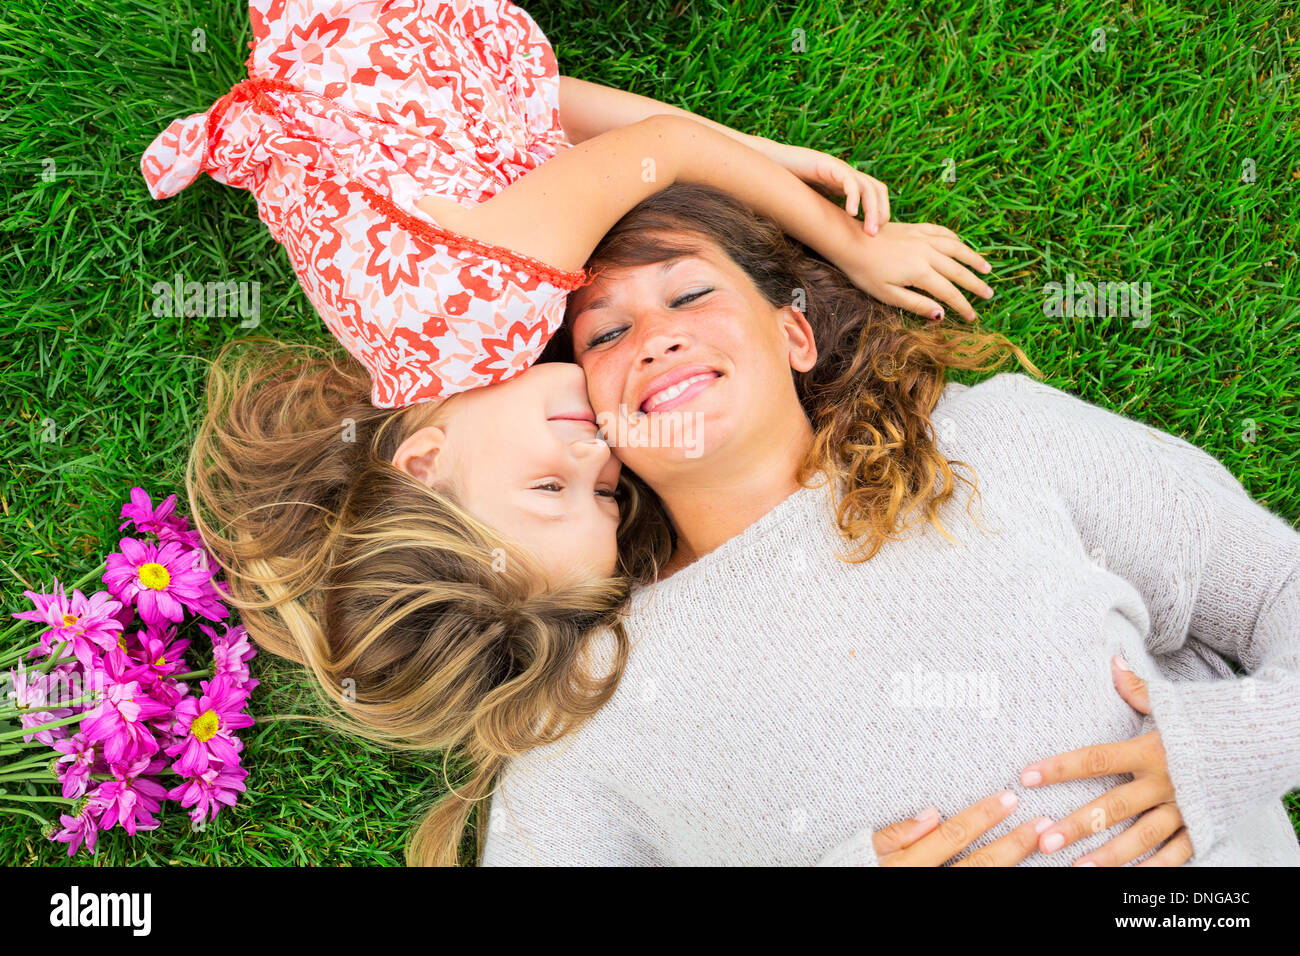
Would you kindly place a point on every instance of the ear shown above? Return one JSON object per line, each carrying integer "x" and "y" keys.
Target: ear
{"x": 800, "y": 339}
{"x": 424, "y": 456}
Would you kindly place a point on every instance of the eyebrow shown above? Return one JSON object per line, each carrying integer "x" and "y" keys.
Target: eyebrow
{"x": 603, "y": 301}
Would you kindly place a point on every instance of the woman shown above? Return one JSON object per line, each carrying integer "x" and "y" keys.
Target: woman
{"x": 833, "y": 644}
{"x": 429, "y": 526}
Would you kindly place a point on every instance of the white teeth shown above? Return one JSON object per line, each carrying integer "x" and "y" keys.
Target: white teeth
{"x": 672, "y": 391}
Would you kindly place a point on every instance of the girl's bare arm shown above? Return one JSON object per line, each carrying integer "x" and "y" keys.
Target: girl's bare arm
{"x": 589, "y": 109}
{"x": 559, "y": 211}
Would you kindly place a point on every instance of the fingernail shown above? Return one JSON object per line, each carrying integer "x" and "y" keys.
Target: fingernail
{"x": 936, "y": 316}
{"x": 1042, "y": 824}
{"x": 1121, "y": 663}
{"x": 1008, "y": 799}
{"x": 1031, "y": 778}
{"x": 1085, "y": 863}
{"x": 988, "y": 293}
{"x": 926, "y": 816}
{"x": 1053, "y": 843}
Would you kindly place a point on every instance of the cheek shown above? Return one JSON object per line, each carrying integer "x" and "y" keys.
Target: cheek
{"x": 604, "y": 384}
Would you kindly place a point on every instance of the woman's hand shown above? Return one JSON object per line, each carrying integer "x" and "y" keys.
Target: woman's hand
{"x": 836, "y": 177}
{"x": 1150, "y": 792}
{"x": 922, "y": 255}
{"x": 922, "y": 841}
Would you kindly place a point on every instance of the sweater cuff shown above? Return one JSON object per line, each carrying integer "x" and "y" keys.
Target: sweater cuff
{"x": 1231, "y": 746}
{"x": 857, "y": 850}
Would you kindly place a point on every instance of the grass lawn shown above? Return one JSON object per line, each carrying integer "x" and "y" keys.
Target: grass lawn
{"x": 1167, "y": 158}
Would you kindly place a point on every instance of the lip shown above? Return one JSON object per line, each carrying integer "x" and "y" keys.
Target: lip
{"x": 672, "y": 377}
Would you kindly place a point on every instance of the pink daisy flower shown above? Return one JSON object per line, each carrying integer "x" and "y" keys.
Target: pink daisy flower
{"x": 132, "y": 798}
{"x": 161, "y": 581}
{"x": 214, "y": 786}
{"x": 86, "y": 622}
{"x": 84, "y": 826}
{"x": 231, "y": 652}
{"x": 161, "y": 652}
{"x": 76, "y": 765}
{"x": 162, "y": 521}
{"x": 140, "y": 511}
{"x": 207, "y": 725}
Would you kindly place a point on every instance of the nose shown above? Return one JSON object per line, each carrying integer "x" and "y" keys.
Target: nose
{"x": 660, "y": 336}
{"x": 591, "y": 451}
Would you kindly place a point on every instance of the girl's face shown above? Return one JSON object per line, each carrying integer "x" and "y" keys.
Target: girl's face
{"x": 523, "y": 457}
{"x": 640, "y": 332}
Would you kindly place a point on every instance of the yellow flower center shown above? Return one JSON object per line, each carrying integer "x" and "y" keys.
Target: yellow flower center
{"x": 160, "y": 662}
{"x": 69, "y": 620}
{"x": 206, "y": 725}
{"x": 154, "y": 576}
{"x": 121, "y": 641}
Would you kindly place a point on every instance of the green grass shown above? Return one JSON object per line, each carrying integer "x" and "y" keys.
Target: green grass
{"x": 1122, "y": 165}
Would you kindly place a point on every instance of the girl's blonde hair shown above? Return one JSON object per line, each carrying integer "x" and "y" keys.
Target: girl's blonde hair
{"x": 878, "y": 374}
{"x": 422, "y": 627}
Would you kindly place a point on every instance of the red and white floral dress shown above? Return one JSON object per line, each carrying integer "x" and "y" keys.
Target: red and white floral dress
{"x": 352, "y": 112}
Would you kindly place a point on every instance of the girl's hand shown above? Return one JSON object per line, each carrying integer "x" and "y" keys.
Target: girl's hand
{"x": 1150, "y": 791}
{"x": 917, "y": 842}
{"x": 836, "y": 176}
{"x": 922, "y": 255}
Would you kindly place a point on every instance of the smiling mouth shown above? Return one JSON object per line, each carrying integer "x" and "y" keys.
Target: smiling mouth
{"x": 679, "y": 392}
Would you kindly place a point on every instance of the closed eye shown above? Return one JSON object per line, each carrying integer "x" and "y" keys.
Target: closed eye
{"x": 613, "y": 493}
{"x": 689, "y": 297}
{"x": 603, "y": 338}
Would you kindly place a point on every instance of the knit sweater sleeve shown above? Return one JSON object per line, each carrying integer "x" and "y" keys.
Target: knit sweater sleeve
{"x": 1210, "y": 563}
{"x": 857, "y": 850}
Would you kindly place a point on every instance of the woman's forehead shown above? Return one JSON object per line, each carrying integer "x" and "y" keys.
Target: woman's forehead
{"x": 609, "y": 278}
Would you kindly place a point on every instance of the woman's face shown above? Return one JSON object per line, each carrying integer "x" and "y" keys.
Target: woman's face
{"x": 640, "y": 332}
{"x": 523, "y": 456}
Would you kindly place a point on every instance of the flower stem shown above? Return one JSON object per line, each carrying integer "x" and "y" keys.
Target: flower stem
{"x": 15, "y": 777}
{"x": 31, "y": 813}
{"x": 206, "y": 672}
{"x": 23, "y": 731}
{"x": 21, "y": 796}
{"x": 54, "y": 658}
{"x": 13, "y": 657}
{"x": 10, "y": 749}
{"x": 37, "y": 761}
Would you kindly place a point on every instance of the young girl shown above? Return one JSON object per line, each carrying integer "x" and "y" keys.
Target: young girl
{"x": 428, "y": 525}
{"x": 833, "y": 645}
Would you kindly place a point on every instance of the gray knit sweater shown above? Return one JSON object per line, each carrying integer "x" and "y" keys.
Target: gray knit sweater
{"x": 780, "y": 705}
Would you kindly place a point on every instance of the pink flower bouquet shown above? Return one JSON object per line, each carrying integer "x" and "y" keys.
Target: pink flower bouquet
{"x": 105, "y": 688}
